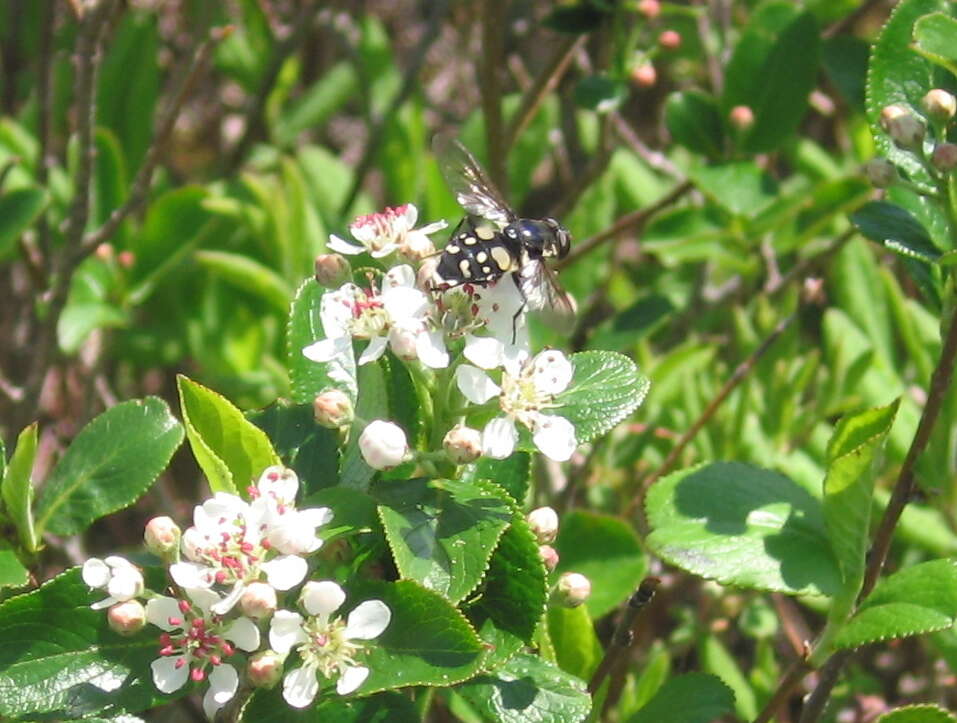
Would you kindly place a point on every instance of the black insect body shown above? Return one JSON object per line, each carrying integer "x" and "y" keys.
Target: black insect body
{"x": 493, "y": 241}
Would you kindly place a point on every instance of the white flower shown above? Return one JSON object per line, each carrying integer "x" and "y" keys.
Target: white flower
{"x": 118, "y": 576}
{"x": 195, "y": 644}
{"x": 325, "y": 645}
{"x": 387, "y": 231}
{"x": 527, "y": 388}
{"x": 383, "y": 444}
{"x": 398, "y": 315}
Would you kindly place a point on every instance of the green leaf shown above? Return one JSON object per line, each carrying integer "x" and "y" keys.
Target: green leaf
{"x": 606, "y": 387}
{"x": 915, "y": 600}
{"x": 61, "y": 661}
{"x": 934, "y": 39}
{"x": 694, "y": 121}
{"x": 304, "y": 446}
{"x": 894, "y": 227}
{"x": 248, "y": 275}
{"x": 528, "y": 688}
{"x": 717, "y": 659}
{"x": 231, "y": 450}
{"x": 112, "y": 461}
{"x": 781, "y": 44}
{"x": 311, "y": 109}
{"x": 18, "y": 488}
{"x": 849, "y": 488}
{"x": 918, "y": 714}
{"x": 739, "y": 186}
{"x": 18, "y": 210}
{"x": 309, "y": 378}
{"x": 606, "y": 551}
{"x": 110, "y": 178}
{"x": 577, "y": 650}
{"x": 268, "y": 706}
{"x": 354, "y": 512}
{"x": 511, "y": 474}
{"x": 600, "y": 93}
{"x": 628, "y": 327}
{"x": 744, "y": 526}
{"x": 12, "y": 571}
{"x": 442, "y": 532}
{"x": 428, "y": 641}
{"x": 575, "y": 18}
{"x": 690, "y": 698}
{"x": 373, "y": 403}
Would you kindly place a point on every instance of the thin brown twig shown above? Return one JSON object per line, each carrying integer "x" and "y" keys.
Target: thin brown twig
{"x": 141, "y": 184}
{"x": 792, "y": 678}
{"x": 44, "y": 113}
{"x": 828, "y": 676}
{"x": 803, "y": 267}
{"x": 490, "y": 83}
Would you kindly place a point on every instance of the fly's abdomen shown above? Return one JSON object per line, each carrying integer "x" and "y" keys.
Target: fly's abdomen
{"x": 477, "y": 256}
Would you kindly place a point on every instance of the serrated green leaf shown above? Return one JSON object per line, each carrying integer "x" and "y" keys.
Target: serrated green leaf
{"x": 61, "y": 661}
{"x": 528, "y": 688}
{"x": 577, "y": 650}
{"x": 18, "y": 210}
{"x": 309, "y": 378}
{"x": 694, "y": 121}
{"x": 741, "y": 187}
{"x": 442, "y": 532}
{"x": 914, "y": 600}
{"x": 894, "y": 227}
{"x": 12, "y": 571}
{"x": 511, "y": 474}
{"x": 849, "y": 488}
{"x": 249, "y": 275}
{"x": 112, "y": 461}
{"x": 268, "y": 706}
{"x": 606, "y": 551}
{"x": 606, "y": 387}
{"x": 717, "y": 659}
{"x": 690, "y": 698}
{"x": 934, "y": 39}
{"x": 918, "y": 714}
{"x": 18, "y": 487}
{"x": 744, "y": 526}
{"x": 372, "y": 404}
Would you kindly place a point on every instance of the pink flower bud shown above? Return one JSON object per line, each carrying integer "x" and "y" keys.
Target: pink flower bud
{"x": 644, "y": 75}
{"x": 904, "y": 128}
{"x": 332, "y": 270}
{"x": 670, "y": 40}
{"x": 264, "y": 669}
{"x": 333, "y": 409}
{"x": 544, "y": 523}
{"x": 258, "y": 600}
{"x": 650, "y": 8}
{"x": 741, "y": 117}
{"x": 104, "y": 252}
{"x": 162, "y": 536}
{"x": 463, "y": 444}
{"x": 127, "y": 618}
{"x": 945, "y": 157}
{"x": 880, "y": 172}
{"x": 383, "y": 444}
{"x": 549, "y": 557}
{"x": 126, "y": 259}
{"x": 572, "y": 590}
{"x": 939, "y": 104}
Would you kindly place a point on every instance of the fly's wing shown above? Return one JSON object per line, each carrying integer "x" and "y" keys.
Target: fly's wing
{"x": 473, "y": 189}
{"x": 545, "y": 295}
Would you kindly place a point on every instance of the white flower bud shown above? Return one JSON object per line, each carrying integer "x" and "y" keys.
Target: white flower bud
{"x": 939, "y": 104}
{"x": 162, "y": 536}
{"x": 904, "y": 128}
{"x": 945, "y": 157}
{"x": 332, "y": 270}
{"x": 402, "y": 341}
{"x": 463, "y": 444}
{"x": 416, "y": 246}
{"x": 425, "y": 276}
{"x": 264, "y": 669}
{"x": 127, "y": 618}
{"x": 544, "y": 523}
{"x": 549, "y": 557}
{"x": 572, "y": 590}
{"x": 880, "y": 172}
{"x": 333, "y": 409}
{"x": 383, "y": 444}
{"x": 258, "y": 600}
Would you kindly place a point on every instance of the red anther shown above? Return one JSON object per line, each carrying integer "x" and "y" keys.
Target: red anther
{"x": 266, "y": 544}
{"x": 165, "y": 639}
{"x": 474, "y": 309}
{"x": 227, "y": 648}
{"x": 166, "y": 650}
{"x": 175, "y": 622}
{"x": 198, "y": 624}
{"x": 246, "y": 547}
{"x": 179, "y": 663}
{"x": 215, "y": 660}
{"x": 197, "y": 674}
{"x": 253, "y": 491}
{"x": 273, "y": 476}
{"x": 321, "y": 639}
{"x": 184, "y": 606}
{"x": 220, "y": 576}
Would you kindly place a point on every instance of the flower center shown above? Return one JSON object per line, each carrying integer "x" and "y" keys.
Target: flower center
{"x": 328, "y": 649}
{"x": 199, "y": 642}
{"x": 520, "y": 395}
{"x": 369, "y": 317}
{"x": 234, "y": 556}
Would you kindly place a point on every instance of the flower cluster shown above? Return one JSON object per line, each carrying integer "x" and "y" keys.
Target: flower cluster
{"x": 230, "y": 573}
{"x": 472, "y": 339}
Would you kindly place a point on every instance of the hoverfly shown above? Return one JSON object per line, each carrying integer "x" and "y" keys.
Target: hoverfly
{"x": 492, "y": 241}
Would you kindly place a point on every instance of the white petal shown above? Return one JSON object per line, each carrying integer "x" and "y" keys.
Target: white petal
{"x": 202, "y": 597}
{"x": 554, "y": 436}
{"x": 485, "y": 352}
{"x": 160, "y": 609}
{"x": 221, "y": 607}
{"x": 126, "y": 583}
{"x": 399, "y": 276}
{"x": 96, "y": 573}
{"x": 315, "y": 516}
{"x": 190, "y": 574}
{"x": 105, "y": 603}
{"x": 374, "y": 350}
{"x": 404, "y": 302}
{"x": 368, "y": 620}
{"x": 166, "y": 676}
{"x": 410, "y": 214}
{"x": 285, "y": 571}
{"x": 300, "y": 686}
{"x": 223, "y": 682}
{"x": 322, "y": 597}
{"x": 285, "y": 631}
{"x": 244, "y": 633}
{"x": 279, "y": 482}
{"x": 433, "y": 227}
{"x": 430, "y": 348}
{"x": 351, "y": 678}
{"x": 343, "y": 247}
{"x": 551, "y": 371}
{"x": 335, "y": 310}
{"x": 323, "y": 350}
{"x": 475, "y": 384}
{"x": 499, "y": 438}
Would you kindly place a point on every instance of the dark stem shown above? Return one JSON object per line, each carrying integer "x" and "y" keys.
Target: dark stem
{"x": 44, "y": 112}
{"x": 792, "y": 678}
{"x": 490, "y": 82}
{"x": 829, "y": 674}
